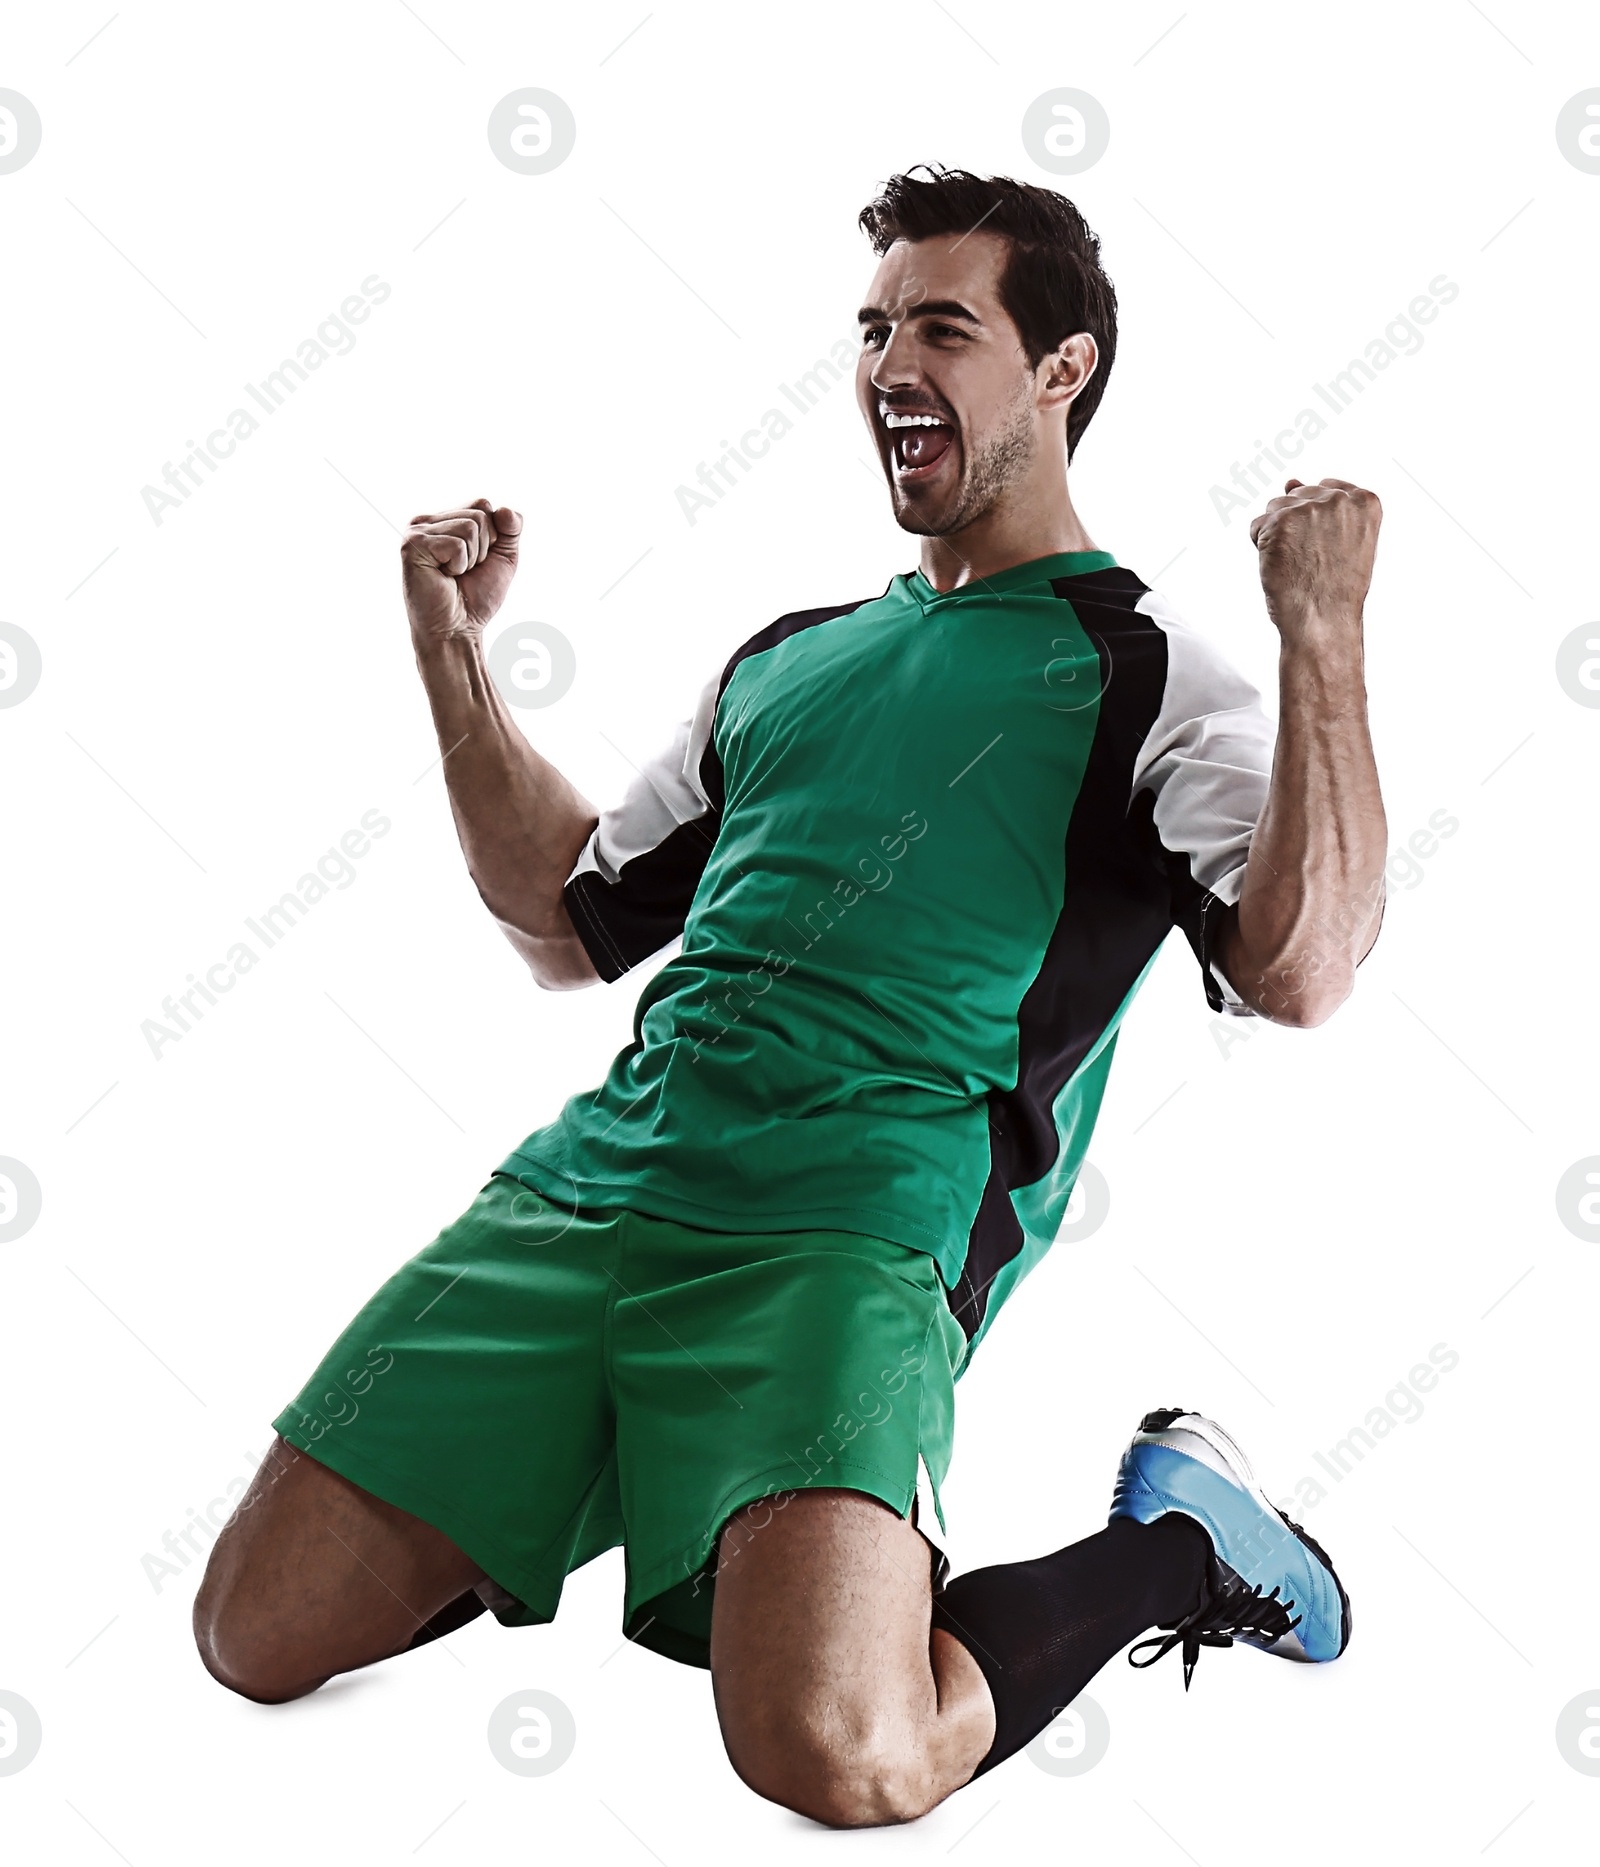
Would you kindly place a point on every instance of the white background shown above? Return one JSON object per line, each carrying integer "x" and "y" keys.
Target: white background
{"x": 225, "y": 693}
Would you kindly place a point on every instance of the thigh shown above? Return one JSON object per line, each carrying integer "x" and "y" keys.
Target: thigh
{"x": 470, "y": 1391}
{"x": 824, "y": 1601}
{"x": 313, "y": 1575}
{"x": 750, "y": 1368}
{"x": 833, "y": 1696}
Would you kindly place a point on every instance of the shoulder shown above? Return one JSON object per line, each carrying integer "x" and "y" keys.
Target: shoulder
{"x": 1120, "y": 598}
{"x": 1129, "y": 613}
{"x": 1199, "y": 674}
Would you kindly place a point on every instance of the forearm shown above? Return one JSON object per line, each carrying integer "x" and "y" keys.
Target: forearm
{"x": 1313, "y": 886}
{"x": 521, "y": 823}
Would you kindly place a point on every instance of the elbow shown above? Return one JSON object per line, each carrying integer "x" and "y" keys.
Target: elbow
{"x": 557, "y": 959}
{"x": 562, "y": 982}
{"x": 1299, "y": 1015}
{"x": 1305, "y": 1010}
{"x": 562, "y": 970}
{"x": 1293, "y": 992}
{"x": 1299, "y": 985}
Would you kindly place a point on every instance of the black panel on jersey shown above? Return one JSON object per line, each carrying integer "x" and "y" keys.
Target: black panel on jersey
{"x": 1117, "y": 909}
{"x": 624, "y": 922}
{"x": 1194, "y": 908}
{"x": 711, "y": 778}
{"x": 995, "y": 1240}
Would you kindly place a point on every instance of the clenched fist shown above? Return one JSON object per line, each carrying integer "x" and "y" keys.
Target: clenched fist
{"x": 1316, "y": 546}
{"x": 456, "y": 567}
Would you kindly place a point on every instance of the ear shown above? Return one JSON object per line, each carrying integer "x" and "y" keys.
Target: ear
{"x": 1063, "y": 374}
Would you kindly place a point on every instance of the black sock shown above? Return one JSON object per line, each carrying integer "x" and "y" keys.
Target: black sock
{"x": 1041, "y": 1630}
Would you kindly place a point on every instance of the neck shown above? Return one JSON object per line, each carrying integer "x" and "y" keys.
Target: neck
{"x": 1004, "y": 536}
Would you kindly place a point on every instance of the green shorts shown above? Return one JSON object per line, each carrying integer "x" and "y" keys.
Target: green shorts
{"x": 542, "y": 1385}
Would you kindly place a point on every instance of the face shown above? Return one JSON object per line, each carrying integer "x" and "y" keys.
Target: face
{"x": 960, "y": 421}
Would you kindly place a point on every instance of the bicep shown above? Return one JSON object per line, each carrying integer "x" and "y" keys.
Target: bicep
{"x": 1207, "y": 765}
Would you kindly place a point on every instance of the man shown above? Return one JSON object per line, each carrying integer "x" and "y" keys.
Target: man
{"x": 921, "y": 849}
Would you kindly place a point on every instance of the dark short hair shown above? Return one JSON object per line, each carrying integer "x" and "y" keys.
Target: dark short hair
{"x": 1052, "y": 283}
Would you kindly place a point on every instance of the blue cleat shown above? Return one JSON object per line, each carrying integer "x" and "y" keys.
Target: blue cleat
{"x": 1267, "y": 1583}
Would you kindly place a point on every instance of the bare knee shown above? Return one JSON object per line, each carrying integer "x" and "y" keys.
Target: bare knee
{"x": 844, "y": 1771}
{"x": 241, "y": 1648}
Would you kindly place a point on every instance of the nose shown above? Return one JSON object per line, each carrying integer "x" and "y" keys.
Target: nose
{"x": 896, "y": 367}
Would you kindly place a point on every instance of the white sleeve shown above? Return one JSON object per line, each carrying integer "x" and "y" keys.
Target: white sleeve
{"x": 1207, "y": 761}
{"x": 630, "y": 889}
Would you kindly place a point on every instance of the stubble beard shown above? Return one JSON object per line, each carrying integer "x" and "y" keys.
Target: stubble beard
{"x": 1002, "y": 460}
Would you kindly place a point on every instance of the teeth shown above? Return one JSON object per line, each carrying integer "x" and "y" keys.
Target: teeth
{"x": 892, "y": 420}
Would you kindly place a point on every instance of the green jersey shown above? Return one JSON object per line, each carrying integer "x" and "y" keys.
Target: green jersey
{"x": 921, "y": 851}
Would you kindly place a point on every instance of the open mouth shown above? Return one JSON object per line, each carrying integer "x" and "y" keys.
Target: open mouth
{"x": 918, "y": 443}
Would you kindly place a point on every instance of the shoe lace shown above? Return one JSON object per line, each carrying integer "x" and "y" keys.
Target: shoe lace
{"x": 1229, "y": 1609}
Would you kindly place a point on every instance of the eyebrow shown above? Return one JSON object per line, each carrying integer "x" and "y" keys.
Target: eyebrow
{"x": 929, "y": 308}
